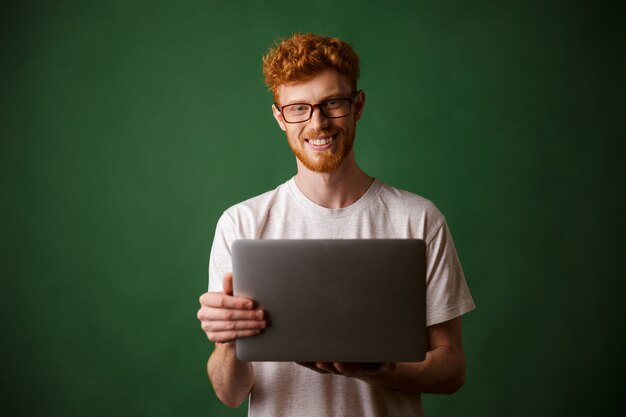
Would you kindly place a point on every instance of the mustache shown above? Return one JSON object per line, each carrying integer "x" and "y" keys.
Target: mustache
{"x": 317, "y": 133}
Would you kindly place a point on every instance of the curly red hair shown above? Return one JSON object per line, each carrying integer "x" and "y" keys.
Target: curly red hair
{"x": 303, "y": 55}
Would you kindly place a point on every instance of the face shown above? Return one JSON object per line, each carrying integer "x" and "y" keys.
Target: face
{"x": 320, "y": 144}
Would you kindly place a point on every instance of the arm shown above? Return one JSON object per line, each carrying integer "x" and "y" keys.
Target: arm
{"x": 231, "y": 379}
{"x": 441, "y": 372}
{"x": 225, "y": 318}
{"x": 443, "y": 369}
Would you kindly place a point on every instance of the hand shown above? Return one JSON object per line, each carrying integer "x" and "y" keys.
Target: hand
{"x": 353, "y": 369}
{"x": 225, "y": 318}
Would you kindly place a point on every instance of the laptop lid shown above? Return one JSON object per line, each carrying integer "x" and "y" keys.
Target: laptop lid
{"x": 339, "y": 300}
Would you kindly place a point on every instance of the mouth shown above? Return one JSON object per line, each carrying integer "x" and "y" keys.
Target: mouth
{"x": 321, "y": 141}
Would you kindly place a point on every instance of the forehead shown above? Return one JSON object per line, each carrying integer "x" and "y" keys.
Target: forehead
{"x": 326, "y": 84}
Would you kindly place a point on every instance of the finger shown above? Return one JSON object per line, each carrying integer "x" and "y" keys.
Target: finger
{"x": 327, "y": 366}
{"x": 345, "y": 368}
{"x": 217, "y": 300}
{"x": 222, "y": 326}
{"x": 228, "y": 283}
{"x": 229, "y": 336}
{"x": 351, "y": 369}
{"x": 388, "y": 367}
{"x": 210, "y": 313}
{"x": 354, "y": 368}
{"x": 311, "y": 366}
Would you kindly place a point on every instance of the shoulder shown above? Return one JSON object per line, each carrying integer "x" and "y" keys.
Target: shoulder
{"x": 409, "y": 214}
{"x": 254, "y": 204}
{"x": 250, "y": 214}
{"x": 410, "y": 203}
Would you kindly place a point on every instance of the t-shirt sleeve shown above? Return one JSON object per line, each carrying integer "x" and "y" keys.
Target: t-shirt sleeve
{"x": 447, "y": 294}
{"x": 220, "y": 260}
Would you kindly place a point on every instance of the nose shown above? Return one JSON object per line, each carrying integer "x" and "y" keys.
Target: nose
{"x": 318, "y": 120}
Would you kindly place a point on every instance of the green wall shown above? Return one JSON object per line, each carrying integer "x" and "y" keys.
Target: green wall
{"x": 128, "y": 126}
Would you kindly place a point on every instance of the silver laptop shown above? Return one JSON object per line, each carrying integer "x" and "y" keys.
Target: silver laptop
{"x": 340, "y": 300}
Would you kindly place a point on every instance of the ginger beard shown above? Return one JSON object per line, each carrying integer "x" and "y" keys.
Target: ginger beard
{"x": 327, "y": 160}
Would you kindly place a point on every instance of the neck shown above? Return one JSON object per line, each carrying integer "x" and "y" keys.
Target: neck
{"x": 337, "y": 189}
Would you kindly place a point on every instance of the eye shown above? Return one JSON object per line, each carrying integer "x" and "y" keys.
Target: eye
{"x": 297, "y": 109}
{"x": 335, "y": 103}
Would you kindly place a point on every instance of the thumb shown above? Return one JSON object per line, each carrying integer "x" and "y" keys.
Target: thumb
{"x": 228, "y": 284}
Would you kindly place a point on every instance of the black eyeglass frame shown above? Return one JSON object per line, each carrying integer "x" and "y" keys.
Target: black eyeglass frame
{"x": 319, "y": 106}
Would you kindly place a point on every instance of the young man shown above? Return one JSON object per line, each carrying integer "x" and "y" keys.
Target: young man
{"x": 317, "y": 105}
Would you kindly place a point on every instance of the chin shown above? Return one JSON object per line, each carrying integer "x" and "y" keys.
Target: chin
{"x": 324, "y": 164}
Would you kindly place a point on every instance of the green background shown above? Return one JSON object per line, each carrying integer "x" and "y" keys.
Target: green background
{"x": 128, "y": 126}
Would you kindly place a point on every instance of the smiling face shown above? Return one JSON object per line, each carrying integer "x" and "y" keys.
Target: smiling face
{"x": 320, "y": 144}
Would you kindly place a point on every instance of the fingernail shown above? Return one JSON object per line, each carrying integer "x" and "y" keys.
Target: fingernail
{"x": 259, "y": 314}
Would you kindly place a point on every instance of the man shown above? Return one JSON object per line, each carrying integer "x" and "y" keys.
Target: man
{"x": 317, "y": 105}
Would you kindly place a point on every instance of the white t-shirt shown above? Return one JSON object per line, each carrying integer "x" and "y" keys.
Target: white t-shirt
{"x": 383, "y": 212}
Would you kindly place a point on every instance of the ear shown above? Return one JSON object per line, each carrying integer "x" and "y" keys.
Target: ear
{"x": 279, "y": 117}
{"x": 359, "y": 102}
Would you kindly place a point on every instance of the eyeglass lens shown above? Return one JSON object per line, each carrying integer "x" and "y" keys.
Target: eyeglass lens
{"x": 332, "y": 109}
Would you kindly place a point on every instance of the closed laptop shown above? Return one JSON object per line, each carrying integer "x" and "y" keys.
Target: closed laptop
{"x": 336, "y": 300}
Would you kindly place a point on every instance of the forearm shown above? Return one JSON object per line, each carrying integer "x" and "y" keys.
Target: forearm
{"x": 231, "y": 379}
{"x": 442, "y": 372}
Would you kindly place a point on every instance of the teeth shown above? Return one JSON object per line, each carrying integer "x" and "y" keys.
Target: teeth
{"x": 322, "y": 141}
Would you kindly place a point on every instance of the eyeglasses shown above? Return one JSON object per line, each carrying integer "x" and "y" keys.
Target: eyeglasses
{"x": 333, "y": 108}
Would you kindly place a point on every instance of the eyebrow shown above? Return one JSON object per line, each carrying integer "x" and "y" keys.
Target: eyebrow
{"x": 324, "y": 98}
